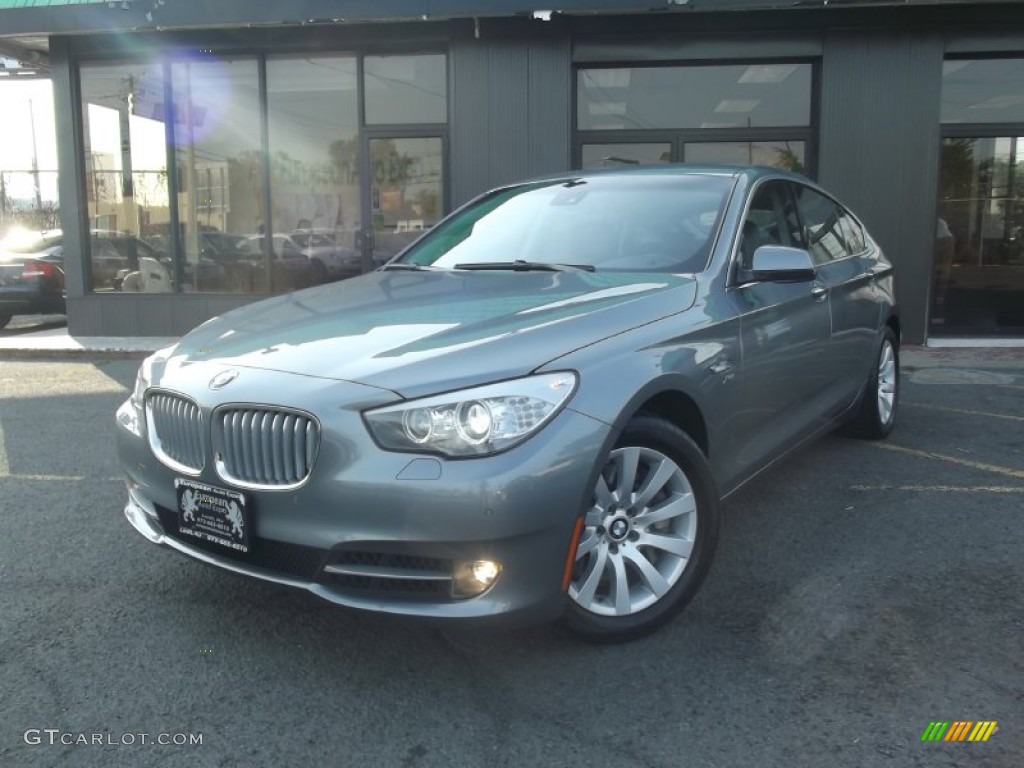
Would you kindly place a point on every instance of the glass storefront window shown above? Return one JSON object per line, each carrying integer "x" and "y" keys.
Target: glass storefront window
{"x": 618, "y": 155}
{"x": 983, "y": 91}
{"x": 715, "y": 96}
{"x": 28, "y": 160}
{"x": 405, "y": 89}
{"x": 261, "y": 205}
{"x": 219, "y": 156}
{"x": 313, "y": 113}
{"x": 407, "y": 194}
{"x": 979, "y": 238}
{"x": 788, "y": 155}
{"x": 126, "y": 177}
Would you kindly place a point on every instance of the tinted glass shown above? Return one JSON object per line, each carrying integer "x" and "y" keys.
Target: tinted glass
{"x": 220, "y": 161}
{"x": 407, "y": 194}
{"x": 979, "y": 238}
{"x": 624, "y": 223}
{"x": 852, "y": 233}
{"x": 618, "y": 155}
{"x": 28, "y": 197}
{"x": 731, "y": 96}
{"x": 313, "y": 113}
{"x": 983, "y": 91}
{"x": 406, "y": 89}
{"x": 821, "y": 217}
{"x": 771, "y": 220}
{"x": 123, "y": 114}
{"x": 788, "y": 155}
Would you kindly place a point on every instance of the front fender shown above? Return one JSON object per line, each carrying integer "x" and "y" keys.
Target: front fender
{"x": 619, "y": 375}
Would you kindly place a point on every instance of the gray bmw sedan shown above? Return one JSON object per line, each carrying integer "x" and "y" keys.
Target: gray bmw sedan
{"x": 533, "y": 411}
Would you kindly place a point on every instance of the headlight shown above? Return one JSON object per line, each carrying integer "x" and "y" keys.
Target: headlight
{"x": 472, "y": 422}
{"x": 142, "y": 381}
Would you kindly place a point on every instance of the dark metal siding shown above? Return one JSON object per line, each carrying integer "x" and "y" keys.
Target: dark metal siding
{"x": 510, "y": 112}
{"x": 166, "y": 314}
{"x": 879, "y": 148}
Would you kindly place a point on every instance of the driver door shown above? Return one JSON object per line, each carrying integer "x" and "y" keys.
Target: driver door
{"x": 785, "y": 336}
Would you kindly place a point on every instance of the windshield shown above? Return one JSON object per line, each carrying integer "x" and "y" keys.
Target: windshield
{"x": 629, "y": 223}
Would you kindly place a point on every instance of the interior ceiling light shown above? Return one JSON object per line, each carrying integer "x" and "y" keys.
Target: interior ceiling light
{"x": 607, "y": 78}
{"x": 767, "y": 73}
{"x": 737, "y": 105}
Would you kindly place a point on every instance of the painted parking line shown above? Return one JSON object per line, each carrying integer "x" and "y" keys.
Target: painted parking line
{"x": 994, "y": 468}
{"x": 942, "y": 488}
{"x": 950, "y": 409}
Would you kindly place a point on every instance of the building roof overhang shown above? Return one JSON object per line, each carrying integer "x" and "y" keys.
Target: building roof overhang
{"x": 26, "y": 25}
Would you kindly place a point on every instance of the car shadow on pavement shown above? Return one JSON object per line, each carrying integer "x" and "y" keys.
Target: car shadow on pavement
{"x": 22, "y": 325}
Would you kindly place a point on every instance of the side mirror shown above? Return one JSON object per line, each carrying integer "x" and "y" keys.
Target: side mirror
{"x": 779, "y": 263}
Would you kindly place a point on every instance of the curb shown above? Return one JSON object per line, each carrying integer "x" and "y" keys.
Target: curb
{"x": 58, "y": 355}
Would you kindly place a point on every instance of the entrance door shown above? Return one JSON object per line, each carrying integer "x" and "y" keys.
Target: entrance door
{"x": 405, "y": 193}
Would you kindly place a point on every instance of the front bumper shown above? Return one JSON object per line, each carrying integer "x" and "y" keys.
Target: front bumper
{"x": 377, "y": 530}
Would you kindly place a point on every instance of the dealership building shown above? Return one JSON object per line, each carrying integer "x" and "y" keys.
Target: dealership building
{"x": 226, "y": 142}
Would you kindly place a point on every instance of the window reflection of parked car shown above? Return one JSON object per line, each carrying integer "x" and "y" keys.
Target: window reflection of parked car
{"x": 291, "y": 267}
{"x": 112, "y": 254}
{"x": 322, "y": 245}
{"x": 31, "y": 277}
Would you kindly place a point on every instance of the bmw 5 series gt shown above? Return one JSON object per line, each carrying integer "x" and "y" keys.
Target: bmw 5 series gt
{"x": 533, "y": 412}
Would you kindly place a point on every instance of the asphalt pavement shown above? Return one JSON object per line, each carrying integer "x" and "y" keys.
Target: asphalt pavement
{"x": 861, "y": 591}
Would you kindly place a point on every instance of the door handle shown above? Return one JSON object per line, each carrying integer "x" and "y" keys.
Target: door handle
{"x": 819, "y": 292}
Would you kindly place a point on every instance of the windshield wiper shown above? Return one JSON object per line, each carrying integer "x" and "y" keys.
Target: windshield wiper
{"x": 528, "y": 266}
{"x": 407, "y": 266}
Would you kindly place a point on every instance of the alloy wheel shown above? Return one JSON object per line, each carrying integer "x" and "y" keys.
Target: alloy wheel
{"x": 638, "y": 534}
{"x": 886, "y": 383}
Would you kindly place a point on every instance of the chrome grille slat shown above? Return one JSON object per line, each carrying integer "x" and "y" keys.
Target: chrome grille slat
{"x": 275, "y": 446}
{"x": 265, "y": 447}
{"x": 266, "y": 439}
{"x": 175, "y": 431}
{"x": 289, "y": 464}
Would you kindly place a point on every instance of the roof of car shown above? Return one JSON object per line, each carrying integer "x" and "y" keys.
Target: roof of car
{"x": 752, "y": 172}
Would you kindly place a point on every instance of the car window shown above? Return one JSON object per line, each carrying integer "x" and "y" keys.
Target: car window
{"x": 630, "y": 223}
{"x": 771, "y": 220}
{"x": 287, "y": 247}
{"x": 822, "y": 225}
{"x": 852, "y": 233}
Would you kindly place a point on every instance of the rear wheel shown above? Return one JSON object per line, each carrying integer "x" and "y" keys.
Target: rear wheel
{"x": 876, "y": 414}
{"x": 648, "y": 537}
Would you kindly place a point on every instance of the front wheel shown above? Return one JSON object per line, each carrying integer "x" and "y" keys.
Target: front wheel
{"x": 649, "y": 534}
{"x": 876, "y": 414}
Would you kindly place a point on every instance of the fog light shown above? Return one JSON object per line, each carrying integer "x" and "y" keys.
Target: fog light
{"x": 472, "y": 578}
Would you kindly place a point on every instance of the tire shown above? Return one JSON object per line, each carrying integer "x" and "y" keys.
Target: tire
{"x": 875, "y": 415}
{"x": 662, "y": 575}
{"x": 4, "y": 320}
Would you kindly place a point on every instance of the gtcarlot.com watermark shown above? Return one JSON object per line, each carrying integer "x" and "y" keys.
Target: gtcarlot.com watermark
{"x": 57, "y": 737}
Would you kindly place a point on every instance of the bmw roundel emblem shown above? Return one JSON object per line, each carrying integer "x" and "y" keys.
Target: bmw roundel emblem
{"x": 223, "y": 378}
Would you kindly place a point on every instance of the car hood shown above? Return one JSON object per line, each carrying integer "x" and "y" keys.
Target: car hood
{"x": 417, "y": 333}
